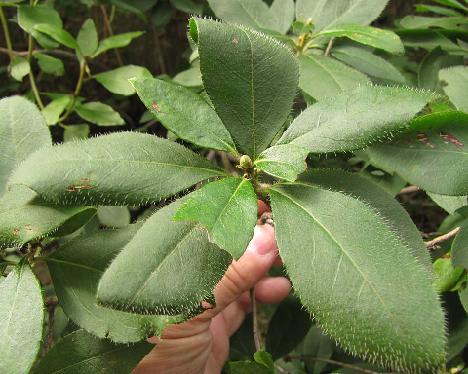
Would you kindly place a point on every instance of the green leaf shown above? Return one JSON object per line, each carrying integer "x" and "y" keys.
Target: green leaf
{"x": 24, "y": 218}
{"x": 117, "y": 41}
{"x": 287, "y": 328}
{"x": 19, "y": 68}
{"x": 372, "y": 36}
{"x": 429, "y": 39}
{"x": 374, "y": 196}
{"x": 117, "y": 80}
{"x": 353, "y": 119}
{"x": 316, "y": 344}
{"x": 418, "y": 22}
{"x": 359, "y": 283}
{"x": 322, "y": 77}
{"x": 159, "y": 249}
{"x": 463, "y": 294}
{"x": 283, "y": 11}
{"x": 457, "y": 80}
{"x": 114, "y": 216}
{"x": 423, "y": 8}
{"x": 262, "y": 364}
{"x": 368, "y": 63}
{"x": 256, "y": 13}
{"x": 21, "y": 319}
{"x": 228, "y": 209}
{"x": 326, "y": 14}
{"x": 430, "y": 157}
{"x": 76, "y": 270}
{"x": 22, "y": 131}
{"x": 75, "y": 132}
{"x": 187, "y": 6}
{"x": 453, "y": 4}
{"x": 29, "y": 16}
{"x": 449, "y": 203}
{"x": 247, "y": 367}
{"x": 87, "y": 38}
{"x": 50, "y": 64}
{"x": 262, "y": 81}
{"x": 283, "y": 161}
{"x": 189, "y": 78}
{"x": 184, "y": 113}
{"x": 252, "y": 13}
{"x": 58, "y": 34}
{"x": 99, "y": 113}
{"x": 460, "y": 247}
{"x": 55, "y": 108}
{"x": 428, "y": 70}
{"x": 447, "y": 275}
{"x": 117, "y": 169}
{"x": 81, "y": 352}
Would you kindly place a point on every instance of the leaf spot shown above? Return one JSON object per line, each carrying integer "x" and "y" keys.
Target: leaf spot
{"x": 424, "y": 140}
{"x": 449, "y": 138}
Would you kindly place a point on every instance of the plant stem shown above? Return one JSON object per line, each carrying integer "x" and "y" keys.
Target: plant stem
{"x": 256, "y": 331}
{"x": 50, "y": 305}
{"x": 442, "y": 238}
{"x": 329, "y": 47}
{"x": 334, "y": 362}
{"x": 409, "y": 189}
{"x": 32, "y": 80}
{"x": 7, "y": 33}
{"x": 57, "y": 52}
{"x": 76, "y": 92}
{"x": 107, "y": 22}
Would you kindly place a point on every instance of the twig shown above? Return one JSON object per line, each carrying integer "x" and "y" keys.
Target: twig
{"x": 76, "y": 92}
{"x": 442, "y": 238}
{"x": 32, "y": 80}
{"x": 50, "y": 304}
{"x": 157, "y": 44}
{"x": 6, "y": 31}
{"x": 256, "y": 331}
{"x": 57, "y": 52}
{"x": 329, "y": 47}
{"x": 111, "y": 32}
{"x": 409, "y": 189}
{"x": 334, "y": 362}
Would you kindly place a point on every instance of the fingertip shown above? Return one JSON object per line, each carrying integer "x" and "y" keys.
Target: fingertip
{"x": 272, "y": 290}
{"x": 263, "y": 241}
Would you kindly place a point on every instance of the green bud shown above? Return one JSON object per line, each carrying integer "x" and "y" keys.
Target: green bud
{"x": 245, "y": 162}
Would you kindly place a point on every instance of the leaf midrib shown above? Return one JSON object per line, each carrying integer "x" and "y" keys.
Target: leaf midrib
{"x": 355, "y": 265}
{"x": 220, "y": 172}
{"x": 158, "y": 266}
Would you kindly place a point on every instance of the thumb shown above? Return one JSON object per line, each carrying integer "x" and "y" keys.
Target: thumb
{"x": 249, "y": 269}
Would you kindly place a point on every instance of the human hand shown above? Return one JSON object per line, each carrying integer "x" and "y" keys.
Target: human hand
{"x": 201, "y": 345}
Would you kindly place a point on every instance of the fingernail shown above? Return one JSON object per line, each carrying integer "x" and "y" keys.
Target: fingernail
{"x": 261, "y": 244}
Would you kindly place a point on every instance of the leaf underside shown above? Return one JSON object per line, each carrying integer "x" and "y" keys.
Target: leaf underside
{"x": 370, "y": 294}
{"x": 284, "y": 161}
{"x": 395, "y": 215}
{"x": 76, "y": 269}
{"x": 118, "y": 169}
{"x": 21, "y": 319}
{"x": 22, "y": 131}
{"x": 170, "y": 268}
{"x": 83, "y": 353}
{"x": 435, "y": 160}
